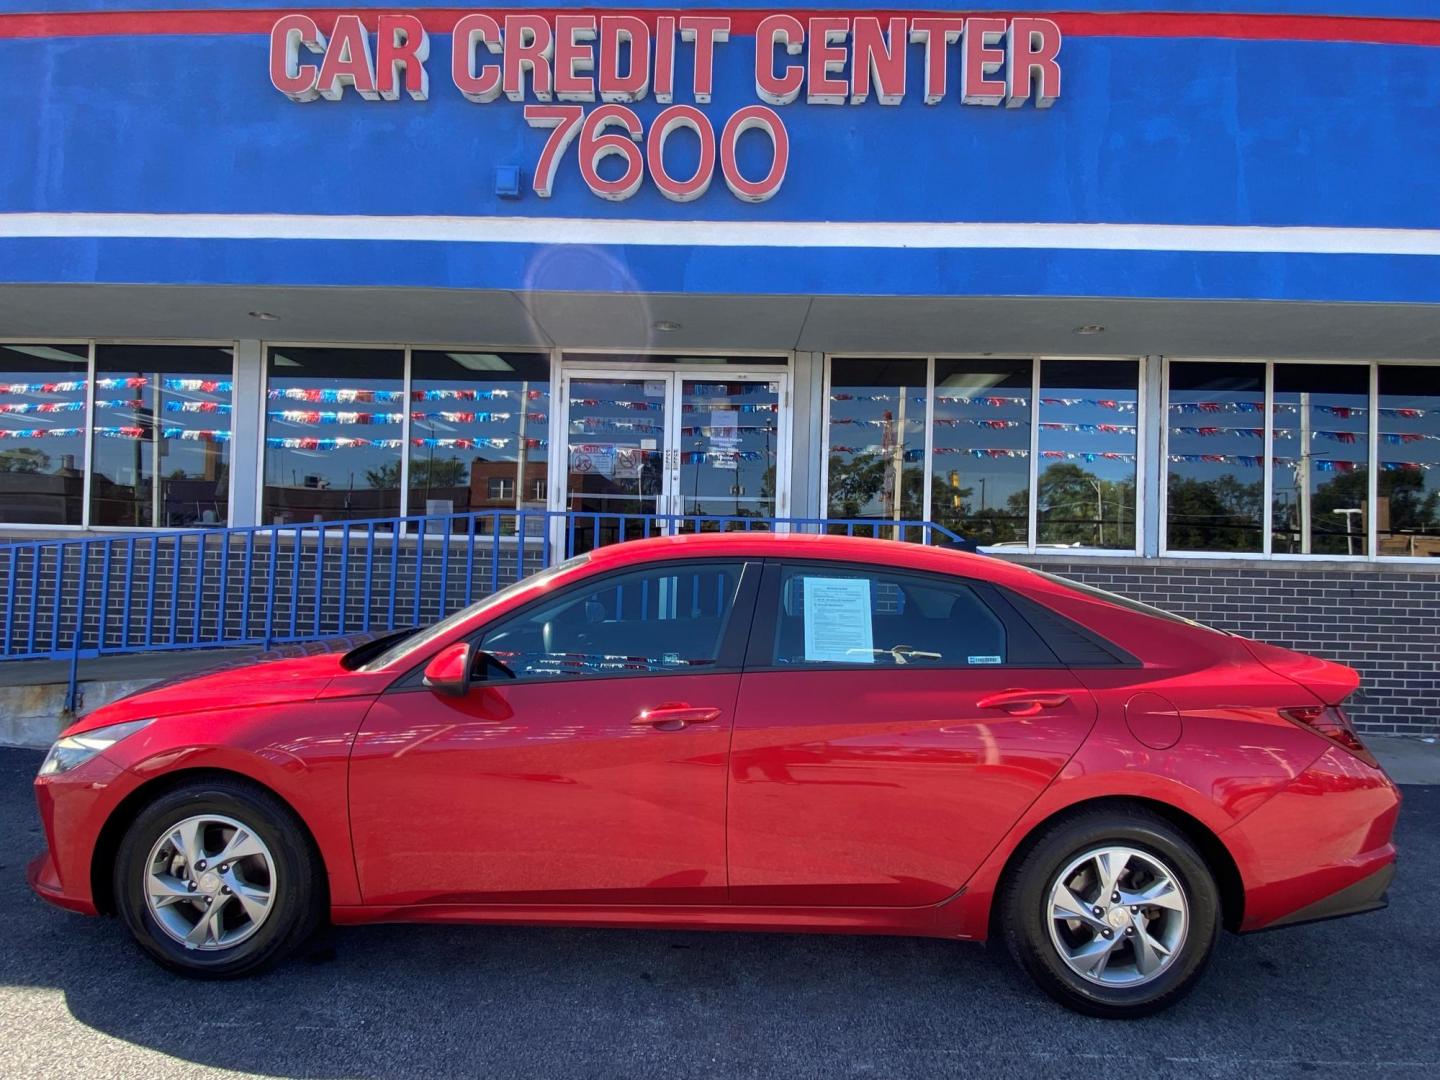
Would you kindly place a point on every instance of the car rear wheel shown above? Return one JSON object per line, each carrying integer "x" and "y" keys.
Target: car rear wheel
{"x": 1112, "y": 912}
{"x": 218, "y": 880}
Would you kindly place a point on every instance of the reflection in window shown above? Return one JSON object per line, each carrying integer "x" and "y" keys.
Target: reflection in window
{"x": 669, "y": 620}
{"x": 333, "y": 432}
{"x": 876, "y": 441}
{"x": 1215, "y": 498}
{"x": 161, "y": 411}
{"x": 1320, "y": 477}
{"x": 1408, "y": 512}
{"x": 729, "y": 442}
{"x": 1088, "y": 439}
{"x": 42, "y": 433}
{"x": 981, "y": 485}
{"x": 479, "y": 431}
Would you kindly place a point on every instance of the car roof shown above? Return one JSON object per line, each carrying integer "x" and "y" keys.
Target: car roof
{"x": 854, "y": 549}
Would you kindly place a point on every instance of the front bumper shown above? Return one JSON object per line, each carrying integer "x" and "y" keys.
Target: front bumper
{"x": 74, "y": 807}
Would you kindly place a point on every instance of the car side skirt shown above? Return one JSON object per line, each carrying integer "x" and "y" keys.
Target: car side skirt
{"x": 910, "y": 922}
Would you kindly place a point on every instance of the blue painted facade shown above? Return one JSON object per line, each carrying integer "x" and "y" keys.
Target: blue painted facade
{"x": 1191, "y": 131}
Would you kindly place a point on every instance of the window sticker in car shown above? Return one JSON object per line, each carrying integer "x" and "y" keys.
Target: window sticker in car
{"x": 837, "y": 621}
{"x": 984, "y": 660}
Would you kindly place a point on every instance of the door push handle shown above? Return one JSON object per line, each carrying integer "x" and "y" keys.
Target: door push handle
{"x": 674, "y": 715}
{"x": 1022, "y": 702}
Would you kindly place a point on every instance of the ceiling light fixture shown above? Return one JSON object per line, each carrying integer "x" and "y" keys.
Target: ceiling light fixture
{"x": 264, "y": 316}
{"x": 665, "y": 326}
{"x": 1090, "y": 328}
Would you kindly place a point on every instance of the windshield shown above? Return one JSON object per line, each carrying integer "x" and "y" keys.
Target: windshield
{"x": 414, "y": 643}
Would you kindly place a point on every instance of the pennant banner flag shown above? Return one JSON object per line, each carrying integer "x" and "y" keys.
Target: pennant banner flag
{"x": 41, "y": 433}
{"x": 172, "y": 405}
{"x": 206, "y": 386}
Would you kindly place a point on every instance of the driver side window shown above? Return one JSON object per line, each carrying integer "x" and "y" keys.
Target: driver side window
{"x": 665, "y": 619}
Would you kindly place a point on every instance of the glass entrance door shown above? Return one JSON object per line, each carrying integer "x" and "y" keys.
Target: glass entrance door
{"x": 615, "y": 458}
{"x": 729, "y": 446}
{"x": 643, "y": 453}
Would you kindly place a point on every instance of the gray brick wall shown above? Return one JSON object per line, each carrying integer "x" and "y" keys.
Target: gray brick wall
{"x": 1381, "y": 619}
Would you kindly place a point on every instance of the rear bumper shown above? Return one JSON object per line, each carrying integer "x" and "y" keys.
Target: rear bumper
{"x": 1319, "y": 849}
{"x": 1368, "y": 894}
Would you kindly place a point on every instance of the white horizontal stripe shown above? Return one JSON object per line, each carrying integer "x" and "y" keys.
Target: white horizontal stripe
{"x": 779, "y": 234}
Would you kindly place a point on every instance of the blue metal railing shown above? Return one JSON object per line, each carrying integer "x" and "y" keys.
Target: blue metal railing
{"x": 274, "y": 584}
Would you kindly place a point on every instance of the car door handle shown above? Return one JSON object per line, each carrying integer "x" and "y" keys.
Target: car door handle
{"x": 1022, "y": 702}
{"x": 674, "y": 715}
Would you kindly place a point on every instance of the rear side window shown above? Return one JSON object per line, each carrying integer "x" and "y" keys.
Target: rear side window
{"x": 840, "y": 615}
{"x": 1122, "y": 601}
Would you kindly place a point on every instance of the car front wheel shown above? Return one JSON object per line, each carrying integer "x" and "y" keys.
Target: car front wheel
{"x": 218, "y": 880}
{"x": 1112, "y": 913}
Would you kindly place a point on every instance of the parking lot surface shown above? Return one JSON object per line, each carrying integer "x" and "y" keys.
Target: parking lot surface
{"x": 1353, "y": 997}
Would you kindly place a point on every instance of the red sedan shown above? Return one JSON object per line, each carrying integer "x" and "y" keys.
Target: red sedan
{"x": 743, "y": 732}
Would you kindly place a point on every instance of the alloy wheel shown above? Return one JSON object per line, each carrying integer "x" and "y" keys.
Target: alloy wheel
{"x": 1118, "y": 916}
{"x": 209, "y": 882}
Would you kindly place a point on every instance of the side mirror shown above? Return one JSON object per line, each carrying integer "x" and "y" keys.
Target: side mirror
{"x": 448, "y": 672}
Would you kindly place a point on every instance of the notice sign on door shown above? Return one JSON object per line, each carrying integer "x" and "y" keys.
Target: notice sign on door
{"x": 837, "y": 620}
{"x": 724, "y": 439}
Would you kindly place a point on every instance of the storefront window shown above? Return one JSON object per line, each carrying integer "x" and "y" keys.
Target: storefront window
{"x": 1408, "y": 511}
{"x": 479, "y": 431}
{"x": 876, "y": 446}
{"x": 1215, "y": 494}
{"x": 1320, "y": 476}
{"x": 334, "y": 428}
{"x": 161, "y": 412}
{"x": 981, "y": 483}
{"x": 1085, "y": 492}
{"x": 42, "y": 433}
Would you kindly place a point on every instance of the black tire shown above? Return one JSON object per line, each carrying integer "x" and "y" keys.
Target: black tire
{"x": 297, "y": 893}
{"x": 1024, "y": 906}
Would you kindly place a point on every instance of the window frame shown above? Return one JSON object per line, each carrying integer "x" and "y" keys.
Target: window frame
{"x": 91, "y": 344}
{"x": 1268, "y": 554}
{"x": 733, "y": 637}
{"x": 760, "y": 653}
{"x": 1145, "y": 372}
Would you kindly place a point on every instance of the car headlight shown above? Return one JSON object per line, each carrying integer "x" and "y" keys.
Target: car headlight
{"x": 74, "y": 750}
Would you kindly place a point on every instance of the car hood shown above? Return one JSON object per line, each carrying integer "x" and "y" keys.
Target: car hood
{"x": 292, "y": 673}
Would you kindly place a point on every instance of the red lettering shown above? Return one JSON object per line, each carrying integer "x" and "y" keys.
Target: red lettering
{"x": 704, "y": 32}
{"x": 470, "y": 31}
{"x": 773, "y": 30}
{"x": 981, "y": 59}
{"x": 937, "y": 35}
{"x": 528, "y": 47}
{"x": 292, "y": 78}
{"x": 402, "y": 45}
{"x": 664, "y": 88}
{"x": 1030, "y": 51}
{"x": 826, "y": 59}
{"x": 617, "y": 30}
{"x": 879, "y": 59}
{"x": 573, "y": 55}
{"x": 347, "y": 61}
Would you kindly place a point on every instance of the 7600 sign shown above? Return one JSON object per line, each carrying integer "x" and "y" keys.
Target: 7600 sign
{"x": 615, "y": 131}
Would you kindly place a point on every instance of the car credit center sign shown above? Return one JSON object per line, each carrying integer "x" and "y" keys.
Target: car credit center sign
{"x": 570, "y": 62}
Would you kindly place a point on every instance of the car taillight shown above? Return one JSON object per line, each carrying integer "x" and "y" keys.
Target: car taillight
{"x": 1331, "y": 722}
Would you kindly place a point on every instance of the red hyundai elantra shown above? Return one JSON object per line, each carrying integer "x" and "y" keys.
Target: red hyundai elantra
{"x": 743, "y": 732}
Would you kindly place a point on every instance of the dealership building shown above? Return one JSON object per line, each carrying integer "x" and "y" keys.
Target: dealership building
{"x": 1147, "y": 298}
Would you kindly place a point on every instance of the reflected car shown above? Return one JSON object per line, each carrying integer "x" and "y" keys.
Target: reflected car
{"x": 742, "y": 732}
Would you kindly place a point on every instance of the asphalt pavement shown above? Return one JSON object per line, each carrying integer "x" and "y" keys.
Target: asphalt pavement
{"x": 1353, "y": 997}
